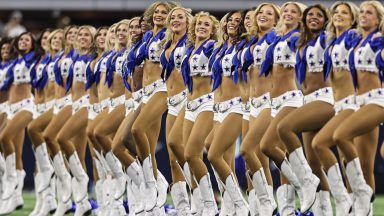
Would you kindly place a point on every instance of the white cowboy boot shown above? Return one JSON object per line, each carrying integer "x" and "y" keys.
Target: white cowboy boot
{"x": 63, "y": 207}
{"x": 39, "y": 199}
{"x": 205, "y": 186}
{"x": 362, "y": 191}
{"x": 322, "y": 205}
{"x": 241, "y": 206}
{"x": 339, "y": 192}
{"x": 197, "y": 204}
{"x": 45, "y": 167}
{"x": 64, "y": 178}
{"x": 162, "y": 189}
{"x": 19, "y": 201}
{"x": 254, "y": 203}
{"x": 288, "y": 173}
{"x": 118, "y": 174}
{"x": 135, "y": 174}
{"x": 261, "y": 188}
{"x": 150, "y": 184}
{"x": 286, "y": 200}
{"x": 308, "y": 181}
{"x": 180, "y": 198}
{"x": 8, "y": 202}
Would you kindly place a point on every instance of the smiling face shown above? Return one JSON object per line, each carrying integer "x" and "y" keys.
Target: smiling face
{"x": 44, "y": 39}
{"x": 100, "y": 38}
{"x": 57, "y": 41}
{"x": 84, "y": 39}
{"x": 145, "y": 25}
{"x": 368, "y": 17}
{"x": 266, "y": 17}
{"x": 71, "y": 35}
{"x": 134, "y": 29}
{"x": 178, "y": 21}
{"x": 160, "y": 15}
{"x": 122, "y": 33}
{"x": 248, "y": 20}
{"x": 112, "y": 38}
{"x": 291, "y": 15}
{"x": 25, "y": 43}
{"x": 233, "y": 24}
{"x": 6, "y": 52}
{"x": 342, "y": 17}
{"x": 315, "y": 19}
{"x": 204, "y": 28}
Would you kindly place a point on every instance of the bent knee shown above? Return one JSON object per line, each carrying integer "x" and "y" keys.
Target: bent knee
{"x": 137, "y": 130}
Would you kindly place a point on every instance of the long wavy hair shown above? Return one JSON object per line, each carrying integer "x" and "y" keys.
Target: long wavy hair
{"x": 306, "y": 34}
{"x": 169, "y": 34}
{"x": 280, "y": 25}
{"x": 192, "y": 26}
{"x": 131, "y": 40}
{"x": 16, "y": 43}
{"x": 50, "y": 37}
{"x": 151, "y": 9}
{"x": 121, "y": 22}
{"x": 256, "y": 29}
{"x": 331, "y": 30}
{"x": 108, "y": 45}
{"x": 241, "y": 31}
{"x": 97, "y": 49}
{"x": 67, "y": 46}
{"x": 221, "y": 30}
{"x": 380, "y": 13}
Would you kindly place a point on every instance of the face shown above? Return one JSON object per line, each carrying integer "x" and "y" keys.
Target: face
{"x": 248, "y": 20}
{"x": 368, "y": 17}
{"x": 145, "y": 25}
{"x": 160, "y": 15}
{"x": 204, "y": 28}
{"x": 122, "y": 33}
{"x": 134, "y": 29}
{"x": 44, "y": 39}
{"x": 342, "y": 17}
{"x": 25, "y": 43}
{"x": 291, "y": 15}
{"x": 178, "y": 21}
{"x": 71, "y": 35}
{"x": 5, "y": 51}
{"x": 112, "y": 39}
{"x": 57, "y": 41}
{"x": 266, "y": 17}
{"x": 84, "y": 38}
{"x": 315, "y": 20}
{"x": 100, "y": 38}
{"x": 233, "y": 24}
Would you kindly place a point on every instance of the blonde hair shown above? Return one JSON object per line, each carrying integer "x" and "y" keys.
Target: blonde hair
{"x": 92, "y": 30}
{"x": 255, "y": 27}
{"x": 151, "y": 9}
{"x": 192, "y": 26}
{"x": 280, "y": 24}
{"x": 380, "y": 12}
{"x": 98, "y": 49}
{"x": 108, "y": 45}
{"x": 68, "y": 47}
{"x": 130, "y": 39}
{"x": 50, "y": 37}
{"x": 121, "y": 22}
{"x": 169, "y": 33}
{"x": 331, "y": 30}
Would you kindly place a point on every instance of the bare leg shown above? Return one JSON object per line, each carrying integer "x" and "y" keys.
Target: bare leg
{"x": 127, "y": 139}
{"x": 91, "y": 129}
{"x": 37, "y": 126}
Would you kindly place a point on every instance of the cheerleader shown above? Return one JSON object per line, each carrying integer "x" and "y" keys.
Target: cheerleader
{"x": 61, "y": 112}
{"x": 44, "y": 85}
{"x": 6, "y": 61}
{"x": 317, "y": 108}
{"x": 72, "y": 136}
{"x": 225, "y": 79}
{"x": 21, "y": 109}
{"x": 146, "y": 127}
{"x": 198, "y": 115}
{"x": 94, "y": 110}
{"x": 344, "y": 17}
{"x": 280, "y": 58}
{"x": 174, "y": 50}
{"x": 116, "y": 113}
{"x": 265, "y": 18}
{"x": 361, "y": 126}
{"x": 132, "y": 77}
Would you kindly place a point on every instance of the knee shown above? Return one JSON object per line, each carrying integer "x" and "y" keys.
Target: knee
{"x": 244, "y": 152}
{"x": 117, "y": 148}
{"x": 338, "y": 137}
{"x": 266, "y": 149}
{"x": 31, "y": 129}
{"x": 189, "y": 157}
{"x": 173, "y": 144}
{"x": 316, "y": 144}
{"x": 136, "y": 130}
{"x": 61, "y": 139}
{"x": 48, "y": 137}
{"x": 213, "y": 157}
{"x": 283, "y": 129}
{"x": 90, "y": 134}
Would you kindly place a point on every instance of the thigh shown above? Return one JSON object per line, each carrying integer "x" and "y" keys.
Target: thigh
{"x": 169, "y": 123}
{"x": 310, "y": 117}
{"x": 226, "y": 134}
{"x": 257, "y": 129}
{"x": 112, "y": 121}
{"x": 200, "y": 130}
{"x": 325, "y": 136}
{"x": 75, "y": 125}
{"x": 58, "y": 121}
{"x": 307, "y": 141}
{"x": 176, "y": 133}
{"x": 209, "y": 139}
{"x": 361, "y": 122}
{"x": 154, "y": 109}
{"x": 117, "y": 140}
{"x": 17, "y": 123}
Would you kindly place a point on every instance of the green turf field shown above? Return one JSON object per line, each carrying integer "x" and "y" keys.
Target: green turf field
{"x": 29, "y": 199}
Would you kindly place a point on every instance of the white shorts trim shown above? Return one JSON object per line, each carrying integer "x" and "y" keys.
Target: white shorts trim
{"x": 288, "y": 99}
{"x": 323, "y": 94}
{"x": 153, "y": 88}
{"x": 348, "y": 102}
{"x": 259, "y": 104}
{"x": 195, "y": 107}
{"x": 176, "y": 103}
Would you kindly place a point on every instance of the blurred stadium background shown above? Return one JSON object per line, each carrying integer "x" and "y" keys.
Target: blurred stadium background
{"x": 36, "y": 15}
